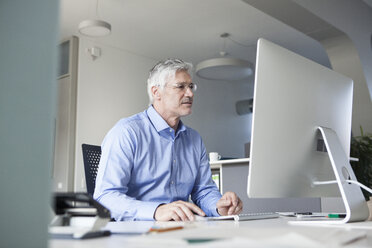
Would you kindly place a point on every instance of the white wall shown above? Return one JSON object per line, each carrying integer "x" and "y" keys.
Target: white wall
{"x": 215, "y": 118}
{"x": 354, "y": 18}
{"x": 114, "y": 86}
{"x": 109, "y": 88}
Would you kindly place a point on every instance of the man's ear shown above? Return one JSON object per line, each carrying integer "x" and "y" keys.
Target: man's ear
{"x": 155, "y": 92}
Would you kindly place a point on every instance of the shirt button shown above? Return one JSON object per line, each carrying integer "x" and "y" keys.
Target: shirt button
{"x": 172, "y": 182}
{"x": 170, "y": 130}
{"x": 174, "y": 161}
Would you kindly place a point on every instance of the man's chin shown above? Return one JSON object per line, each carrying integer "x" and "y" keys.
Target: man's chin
{"x": 186, "y": 112}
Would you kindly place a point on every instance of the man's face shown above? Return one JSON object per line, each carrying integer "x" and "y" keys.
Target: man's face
{"x": 176, "y": 98}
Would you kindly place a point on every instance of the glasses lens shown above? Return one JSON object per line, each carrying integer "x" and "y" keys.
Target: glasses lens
{"x": 184, "y": 86}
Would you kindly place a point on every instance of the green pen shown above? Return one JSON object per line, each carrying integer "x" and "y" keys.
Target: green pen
{"x": 336, "y": 215}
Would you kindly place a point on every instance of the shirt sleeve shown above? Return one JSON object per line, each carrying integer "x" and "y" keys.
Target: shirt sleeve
{"x": 114, "y": 174}
{"x": 205, "y": 192}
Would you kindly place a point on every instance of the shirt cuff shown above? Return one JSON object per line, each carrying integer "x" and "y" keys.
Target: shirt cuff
{"x": 214, "y": 212}
{"x": 147, "y": 210}
{"x": 212, "y": 209}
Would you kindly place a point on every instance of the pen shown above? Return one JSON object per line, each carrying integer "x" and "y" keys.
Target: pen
{"x": 303, "y": 213}
{"x": 312, "y": 216}
{"x": 164, "y": 229}
{"x": 336, "y": 215}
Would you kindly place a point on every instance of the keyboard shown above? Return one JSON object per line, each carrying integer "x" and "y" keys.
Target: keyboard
{"x": 241, "y": 217}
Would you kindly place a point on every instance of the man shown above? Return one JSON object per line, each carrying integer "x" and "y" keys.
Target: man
{"x": 151, "y": 162}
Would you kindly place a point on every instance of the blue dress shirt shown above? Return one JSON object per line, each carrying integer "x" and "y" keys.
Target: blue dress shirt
{"x": 144, "y": 163}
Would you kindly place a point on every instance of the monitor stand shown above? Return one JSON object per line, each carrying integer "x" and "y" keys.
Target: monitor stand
{"x": 355, "y": 204}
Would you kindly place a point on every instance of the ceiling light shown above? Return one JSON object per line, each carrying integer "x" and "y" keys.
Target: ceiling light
{"x": 227, "y": 69}
{"x": 224, "y": 68}
{"x": 94, "y": 28}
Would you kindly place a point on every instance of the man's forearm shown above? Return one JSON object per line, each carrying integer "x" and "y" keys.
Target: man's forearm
{"x": 124, "y": 208}
{"x": 207, "y": 202}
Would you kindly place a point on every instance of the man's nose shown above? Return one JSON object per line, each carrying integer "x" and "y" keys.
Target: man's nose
{"x": 189, "y": 92}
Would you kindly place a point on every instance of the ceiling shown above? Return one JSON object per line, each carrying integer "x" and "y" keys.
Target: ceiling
{"x": 187, "y": 29}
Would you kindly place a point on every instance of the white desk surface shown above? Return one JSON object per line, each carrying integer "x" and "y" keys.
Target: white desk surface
{"x": 256, "y": 233}
{"x": 216, "y": 164}
{"x": 246, "y": 160}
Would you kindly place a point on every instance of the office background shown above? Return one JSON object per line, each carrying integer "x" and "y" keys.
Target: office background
{"x": 113, "y": 86}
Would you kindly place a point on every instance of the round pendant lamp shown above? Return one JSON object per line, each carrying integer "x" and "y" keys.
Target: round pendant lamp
{"x": 224, "y": 68}
{"x": 94, "y": 28}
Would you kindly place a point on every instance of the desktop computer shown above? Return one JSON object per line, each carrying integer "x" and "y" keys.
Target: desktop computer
{"x": 301, "y": 131}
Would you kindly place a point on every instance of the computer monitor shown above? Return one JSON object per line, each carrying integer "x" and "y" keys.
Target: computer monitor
{"x": 301, "y": 130}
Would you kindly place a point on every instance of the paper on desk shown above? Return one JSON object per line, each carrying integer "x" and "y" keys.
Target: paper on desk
{"x": 341, "y": 237}
{"x": 288, "y": 241}
{"x": 129, "y": 227}
{"x": 140, "y": 227}
{"x": 146, "y": 241}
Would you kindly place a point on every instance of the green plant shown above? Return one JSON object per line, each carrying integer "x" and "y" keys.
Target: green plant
{"x": 361, "y": 148}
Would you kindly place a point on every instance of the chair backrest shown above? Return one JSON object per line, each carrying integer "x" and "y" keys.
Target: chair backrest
{"x": 91, "y": 157}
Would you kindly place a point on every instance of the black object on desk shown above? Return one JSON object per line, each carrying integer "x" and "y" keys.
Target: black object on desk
{"x": 78, "y": 216}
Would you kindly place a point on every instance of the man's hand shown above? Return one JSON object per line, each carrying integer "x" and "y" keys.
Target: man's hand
{"x": 229, "y": 204}
{"x": 178, "y": 211}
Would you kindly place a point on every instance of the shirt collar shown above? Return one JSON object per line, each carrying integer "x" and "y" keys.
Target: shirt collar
{"x": 159, "y": 123}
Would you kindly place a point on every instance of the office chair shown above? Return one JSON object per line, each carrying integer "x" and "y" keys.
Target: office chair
{"x": 91, "y": 157}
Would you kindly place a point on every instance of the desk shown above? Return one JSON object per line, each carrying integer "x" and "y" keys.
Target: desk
{"x": 234, "y": 177}
{"x": 260, "y": 231}
{"x": 233, "y": 174}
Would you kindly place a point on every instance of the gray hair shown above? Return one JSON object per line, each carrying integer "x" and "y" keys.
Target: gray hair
{"x": 164, "y": 71}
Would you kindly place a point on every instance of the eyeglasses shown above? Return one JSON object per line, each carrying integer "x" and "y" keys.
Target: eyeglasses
{"x": 181, "y": 87}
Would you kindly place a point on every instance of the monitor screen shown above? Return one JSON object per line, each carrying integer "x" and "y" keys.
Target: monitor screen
{"x": 293, "y": 96}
